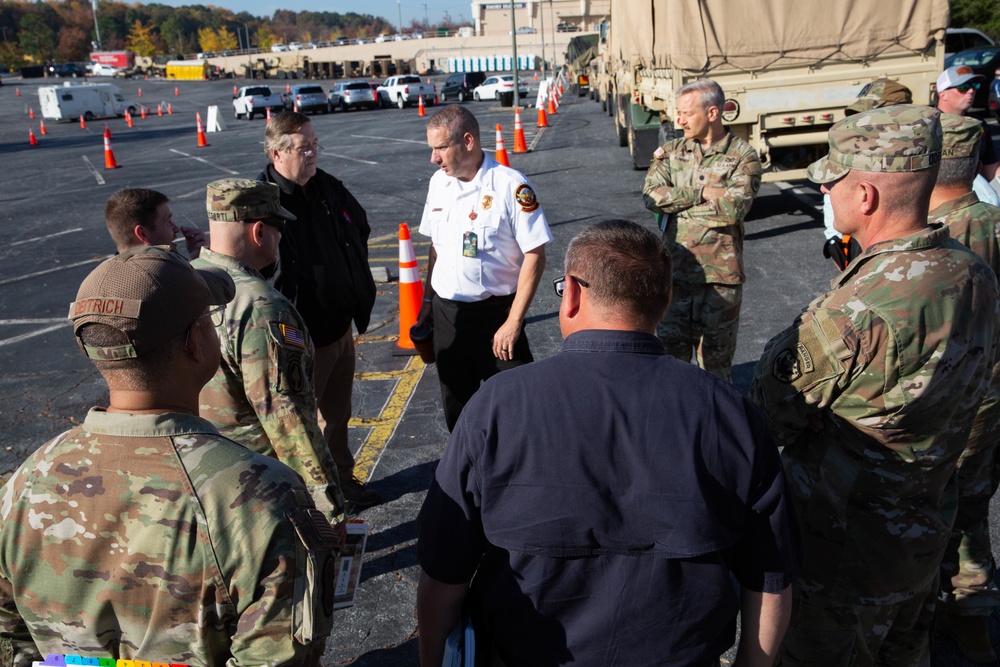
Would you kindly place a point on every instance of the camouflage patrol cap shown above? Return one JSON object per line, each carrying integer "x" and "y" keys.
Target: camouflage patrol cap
{"x": 961, "y": 136}
{"x": 894, "y": 139}
{"x": 880, "y": 93}
{"x": 149, "y": 293}
{"x": 238, "y": 199}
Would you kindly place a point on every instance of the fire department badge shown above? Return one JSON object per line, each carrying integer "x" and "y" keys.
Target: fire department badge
{"x": 487, "y": 202}
{"x": 525, "y": 197}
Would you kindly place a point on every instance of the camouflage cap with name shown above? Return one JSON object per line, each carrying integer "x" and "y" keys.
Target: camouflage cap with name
{"x": 961, "y": 136}
{"x": 880, "y": 93}
{"x": 894, "y": 139}
{"x": 151, "y": 294}
{"x": 238, "y": 199}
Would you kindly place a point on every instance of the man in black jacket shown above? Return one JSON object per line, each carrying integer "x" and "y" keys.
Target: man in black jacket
{"x": 323, "y": 269}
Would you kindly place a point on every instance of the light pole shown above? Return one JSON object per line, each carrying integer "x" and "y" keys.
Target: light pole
{"x": 513, "y": 41}
{"x": 399, "y": 8}
{"x": 541, "y": 16}
{"x": 97, "y": 28}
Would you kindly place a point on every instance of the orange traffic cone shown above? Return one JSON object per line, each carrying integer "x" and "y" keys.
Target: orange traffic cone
{"x": 420, "y": 106}
{"x": 109, "y": 155}
{"x": 41, "y": 126}
{"x": 17, "y": 92}
{"x": 560, "y": 87}
{"x": 83, "y": 123}
{"x": 288, "y": 88}
{"x": 268, "y": 115}
{"x": 543, "y": 120}
{"x": 128, "y": 119}
{"x": 520, "y": 145}
{"x": 107, "y": 130}
{"x": 143, "y": 112}
{"x": 235, "y": 93}
{"x": 177, "y": 91}
{"x": 170, "y": 109}
{"x": 501, "y": 154}
{"x": 411, "y": 290}
{"x": 31, "y": 113}
{"x": 552, "y": 104}
{"x": 536, "y": 76}
{"x": 202, "y": 141}
{"x": 32, "y": 141}
{"x": 140, "y": 91}
{"x": 159, "y": 109}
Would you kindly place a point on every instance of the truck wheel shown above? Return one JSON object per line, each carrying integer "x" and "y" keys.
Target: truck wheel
{"x": 621, "y": 128}
{"x": 88, "y": 115}
{"x": 131, "y": 111}
{"x": 444, "y": 98}
{"x": 250, "y": 115}
{"x": 401, "y": 102}
{"x": 343, "y": 107}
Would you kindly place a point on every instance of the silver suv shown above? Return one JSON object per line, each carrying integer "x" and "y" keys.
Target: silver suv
{"x": 307, "y": 98}
{"x": 352, "y": 95}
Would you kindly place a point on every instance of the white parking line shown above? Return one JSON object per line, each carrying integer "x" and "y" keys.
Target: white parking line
{"x": 8, "y": 281}
{"x": 47, "y": 236}
{"x": 348, "y": 157}
{"x": 90, "y": 166}
{"x": 402, "y": 141}
{"x": 33, "y": 320}
{"x": 32, "y": 334}
{"x": 204, "y": 161}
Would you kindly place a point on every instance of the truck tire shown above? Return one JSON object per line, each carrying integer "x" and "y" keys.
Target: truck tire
{"x": 250, "y": 114}
{"x": 87, "y": 116}
{"x": 401, "y": 102}
{"x": 239, "y": 116}
{"x": 621, "y": 128}
{"x": 343, "y": 107}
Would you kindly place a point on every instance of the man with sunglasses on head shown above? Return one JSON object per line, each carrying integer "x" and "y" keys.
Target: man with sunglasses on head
{"x": 143, "y": 534}
{"x": 262, "y": 395}
{"x": 956, "y": 90}
{"x": 323, "y": 270}
{"x": 599, "y": 506}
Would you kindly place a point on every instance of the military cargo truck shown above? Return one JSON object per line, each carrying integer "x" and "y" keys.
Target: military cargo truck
{"x": 788, "y": 69}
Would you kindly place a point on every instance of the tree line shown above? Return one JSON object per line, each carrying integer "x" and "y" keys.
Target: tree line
{"x": 65, "y": 30}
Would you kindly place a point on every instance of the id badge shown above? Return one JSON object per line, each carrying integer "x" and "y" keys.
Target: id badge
{"x": 469, "y": 248}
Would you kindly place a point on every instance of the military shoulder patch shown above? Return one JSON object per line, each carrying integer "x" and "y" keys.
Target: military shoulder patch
{"x": 526, "y": 198}
{"x": 292, "y": 336}
{"x": 786, "y": 366}
{"x": 659, "y": 153}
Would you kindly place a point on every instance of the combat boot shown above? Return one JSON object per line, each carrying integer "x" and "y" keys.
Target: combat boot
{"x": 970, "y": 634}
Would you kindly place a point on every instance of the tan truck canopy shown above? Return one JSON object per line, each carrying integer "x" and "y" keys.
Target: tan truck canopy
{"x": 704, "y": 35}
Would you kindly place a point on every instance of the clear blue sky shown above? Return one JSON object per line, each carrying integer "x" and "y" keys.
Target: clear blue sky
{"x": 387, "y": 9}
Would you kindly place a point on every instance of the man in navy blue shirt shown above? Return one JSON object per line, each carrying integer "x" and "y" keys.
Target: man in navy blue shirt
{"x": 596, "y": 507}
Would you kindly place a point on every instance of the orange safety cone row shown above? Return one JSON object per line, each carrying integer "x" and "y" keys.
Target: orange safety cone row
{"x": 83, "y": 123}
{"x": 128, "y": 119}
{"x": 420, "y": 106}
{"x": 411, "y": 290}
{"x": 202, "y": 141}
{"x": 109, "y": 155}
{"x": 501, "y": 154}
{"x": 520, "y": 145}
{"x": 543, "y": 120}
{"x": 41, "y": 126}
{"x": 32, "y": 141}
{"x": 31, "y": 113}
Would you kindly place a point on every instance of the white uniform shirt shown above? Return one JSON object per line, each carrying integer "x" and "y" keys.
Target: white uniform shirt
{"x": 499, "y": 207}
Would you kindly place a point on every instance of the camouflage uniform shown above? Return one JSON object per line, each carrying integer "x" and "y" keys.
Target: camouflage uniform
{"x": 872, "y": 391}
{"x": 152, "y": 537}
{"x": 706, "y": 243}
{"x": 968, "y": 568}
{"x": 262, "y": 396}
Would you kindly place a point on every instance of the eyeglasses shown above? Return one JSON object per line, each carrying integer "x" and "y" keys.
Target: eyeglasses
{"x": 966, "y": 87}
{"x": 211, "y": 312}
{"x": 559, "y": 284}
{"x": 306, "y": 152}
{"x": 277, "y": 223}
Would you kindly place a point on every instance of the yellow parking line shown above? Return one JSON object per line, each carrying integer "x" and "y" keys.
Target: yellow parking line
{"x": 383, "y": 426}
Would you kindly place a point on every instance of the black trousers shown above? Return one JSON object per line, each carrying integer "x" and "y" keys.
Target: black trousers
{"x": 463, "y": 345}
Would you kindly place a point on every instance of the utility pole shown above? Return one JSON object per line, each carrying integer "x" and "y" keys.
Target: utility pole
{"x": 399, "y": 8}
{"x": 97, "y": 28}
{"x": 541, "y": 16}
{"x": 513, "y": 41}
{"x": 427, "y": 23}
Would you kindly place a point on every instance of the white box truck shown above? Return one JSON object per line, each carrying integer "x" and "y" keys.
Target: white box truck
{"x": 90, "y": 100}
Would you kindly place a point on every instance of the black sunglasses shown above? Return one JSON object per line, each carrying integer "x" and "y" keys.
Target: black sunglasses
{"x": 559, "y": 284}
{"x": 966, "y": 87}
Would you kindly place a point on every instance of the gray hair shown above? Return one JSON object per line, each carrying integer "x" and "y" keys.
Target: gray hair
{"x": 282, "y": 124}
{"x": 709, "y": 93}
{"x": 958, "y": 170}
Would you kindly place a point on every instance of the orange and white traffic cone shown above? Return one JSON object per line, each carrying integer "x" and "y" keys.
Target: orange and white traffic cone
{"x": 411, "y": 290}
{"x": 109, "y": 155}
{"x": 268, "y": 114}
{"x": 41, "y": 126}
{"x": 17, "y": 92}
{"x": 83, "y": 123}
{"x": 170, "y": 109}
{"x": 143, "y": 112}
{"x": 31, "y": 113}
{"x": 501, "y": 154}
{"x": 235, "y": 93}
{"x": 32, "y": 141}
{"x": 536, "y": 76}
{"x": 177, "y": 91}
{"x": 560, "y": 87}
{"x": 543, "y": 120}
{"x": 202, "y": 141}
{"x": 107, "y": 130}
{"x": 140, "y": 91}
{"x": 520, "y": 145}
{"x": 128, "y": 119}
{"x": 420, "y": 106}
{"x": 288, "y": 88}
{"x": 159, "y": 109}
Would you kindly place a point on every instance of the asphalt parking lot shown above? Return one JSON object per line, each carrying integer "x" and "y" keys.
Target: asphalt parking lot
{"x": 53, "y": 234}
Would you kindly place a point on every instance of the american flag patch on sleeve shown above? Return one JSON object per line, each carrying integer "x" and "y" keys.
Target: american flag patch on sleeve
{"x": 293, "y": 336}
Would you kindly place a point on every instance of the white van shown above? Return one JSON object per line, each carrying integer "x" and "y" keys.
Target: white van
{"x": 90, "y": 100}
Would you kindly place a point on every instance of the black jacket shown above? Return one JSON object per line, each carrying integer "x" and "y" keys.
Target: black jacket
{"x": 323, "y": 256}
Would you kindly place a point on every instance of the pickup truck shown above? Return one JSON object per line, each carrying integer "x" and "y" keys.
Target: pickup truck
{"x": 251, "y": 100}
{"x": 404, "y": 91}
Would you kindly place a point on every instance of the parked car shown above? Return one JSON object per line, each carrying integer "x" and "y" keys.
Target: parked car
{"x": 66, "y": 71}
{"x": 307, "y": 98}
{"x": 353, "y": 94}
{"x": 100, "y": 69}
{"x": 491, "y": 88}
{"x": 994, "y": 99}
{"x": 459, "y": 85}
{"x": 963, "y": 39}
{"x": 294, "y": 46}
{"x": 984, "y": 61}
{"x": 525, "y": 31}
{"x": 278, "y": 48}
{"x": 565, "y": 26}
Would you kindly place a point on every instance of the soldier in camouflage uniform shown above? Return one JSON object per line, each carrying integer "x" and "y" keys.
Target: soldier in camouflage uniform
{"x": 702, "y": 186}
{"x": 144, "y": 534}
{"x": 262, "y": 396}
{"x": 872, "y": 391}
{"x": 968, "y": 594}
